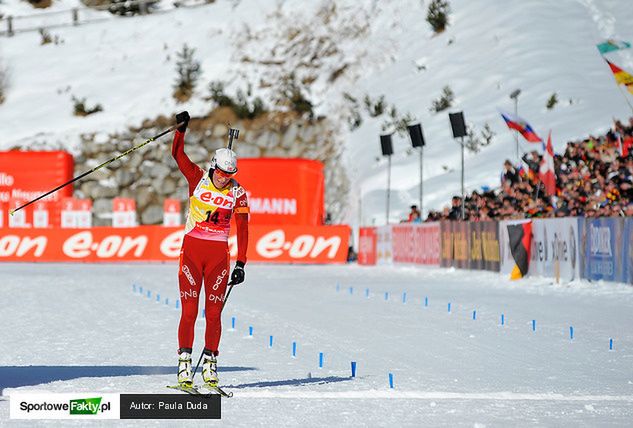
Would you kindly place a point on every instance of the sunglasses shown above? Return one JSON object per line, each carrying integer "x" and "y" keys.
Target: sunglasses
{"x": 225, "y": 174}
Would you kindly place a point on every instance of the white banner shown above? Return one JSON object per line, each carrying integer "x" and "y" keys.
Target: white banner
{"x": 25, "y": 405}
{"x": 555, "y": 250}
{"x": 383, "y": 245}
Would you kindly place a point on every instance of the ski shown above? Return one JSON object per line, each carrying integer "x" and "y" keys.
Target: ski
{"x": 217, "y": 390}
{"x": 195, "y": 390}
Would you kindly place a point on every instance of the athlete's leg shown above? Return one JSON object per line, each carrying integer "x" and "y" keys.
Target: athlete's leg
{"x": 190, "y": 283}
{"x": 216, "y": 276}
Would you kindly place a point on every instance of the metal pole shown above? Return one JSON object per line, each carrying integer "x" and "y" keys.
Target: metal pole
{"x": 463, "y": 208}
{"x": 516, "y": 134}
{"x": 421, "y": 182}
{"x": 388, "y": 187}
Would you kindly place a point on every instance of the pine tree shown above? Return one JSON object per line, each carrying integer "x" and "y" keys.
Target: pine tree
{"x": 188, "y": 70}
{"x": 437, "y": 15}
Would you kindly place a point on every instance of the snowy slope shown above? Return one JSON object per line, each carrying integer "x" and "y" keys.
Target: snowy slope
{"x": 128, "y": 66}
{"x": 90, "y": 332}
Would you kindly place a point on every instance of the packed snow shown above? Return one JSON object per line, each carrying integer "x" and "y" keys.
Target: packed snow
{"x": 89, "y": 328}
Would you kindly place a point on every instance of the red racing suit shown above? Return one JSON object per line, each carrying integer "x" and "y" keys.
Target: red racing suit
{"x": 204, "y": 256}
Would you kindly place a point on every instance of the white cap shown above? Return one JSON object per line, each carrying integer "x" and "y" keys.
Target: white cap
{"x": 225, "y": 160}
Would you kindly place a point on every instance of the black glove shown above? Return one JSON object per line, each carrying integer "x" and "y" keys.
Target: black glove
{"x": 237, "y": 277}
{"x": 183, "y": 118}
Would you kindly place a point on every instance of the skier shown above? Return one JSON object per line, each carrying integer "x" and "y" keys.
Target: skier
{"x": 213, "y": 197}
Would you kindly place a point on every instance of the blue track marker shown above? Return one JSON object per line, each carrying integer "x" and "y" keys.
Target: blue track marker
{"x": 149, "y": 294}
{"x": 270, "y": 342}
{"x": 386, "y": 295}
{"x": 294, "y": 349}
{"x": 167, "y": 301}
{"x": 404, "y": 297}
{"x": 503, "y": 319}
{"x": 351, "y": 291}
{"x": 533, "y": 325}
{"x": 134, "y": 288}
{"x": 367, "y": 293}
{"x": 353, "y": 368}
{"x": 571, "y": 333}
{"x": 250, "y": 330}
{"x": 177, "y": 304}
{"x": 233, "y": 323}
{"x": 610, "y": 344}
{"x": 426, "y": 301}
{"x": 449, "y": 308}
{"x": 391, "y": 380}
{"x": 320, "y": 360}
{"x": 158, "y": 297}
{"x": 474, "y": 315}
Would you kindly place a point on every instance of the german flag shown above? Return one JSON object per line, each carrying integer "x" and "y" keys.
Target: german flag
{"x": 621, "y": 76}
{"x": 520, "y": 237}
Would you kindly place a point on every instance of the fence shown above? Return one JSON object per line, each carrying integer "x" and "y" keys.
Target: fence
{"x": 562, "y": 248}
{"x": 11, "y": 25}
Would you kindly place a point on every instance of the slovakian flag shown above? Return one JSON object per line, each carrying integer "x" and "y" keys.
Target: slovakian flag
{"x": 520, "y": 125}
{"x": 520, "y": 240}
{"x": 546, "y": 173}
{"x": 621, "y": 77}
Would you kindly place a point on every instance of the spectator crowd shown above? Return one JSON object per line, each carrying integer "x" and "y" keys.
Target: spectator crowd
{"x": 594, "y": 178}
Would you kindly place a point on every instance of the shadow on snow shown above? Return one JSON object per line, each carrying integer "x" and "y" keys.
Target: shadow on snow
{"x": 16, "y": 376}
{"x": 293, "y": 382}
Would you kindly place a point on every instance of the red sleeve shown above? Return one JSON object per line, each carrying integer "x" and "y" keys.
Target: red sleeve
{"x": 241, "y": 211}
{"x": 192, "y": 172}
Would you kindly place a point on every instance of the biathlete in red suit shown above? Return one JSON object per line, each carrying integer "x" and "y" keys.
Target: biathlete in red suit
{"x": 213, "y": 197}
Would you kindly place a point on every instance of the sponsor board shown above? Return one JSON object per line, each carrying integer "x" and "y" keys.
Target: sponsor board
{"x": 297, "y": 196}
{"x": 603, "y": 243}
{"x": 555, "y": 248}
{"x": 367, "y": 241}
{"x": 416, "y": 243}
{"x": 289, "y": 244}
{"x": 470, "y": 245}
{"x": 383, "y": 245}
{"x": 627, "y": 256}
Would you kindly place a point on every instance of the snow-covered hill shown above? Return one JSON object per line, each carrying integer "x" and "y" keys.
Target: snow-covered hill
{"x": 489, "y": 49}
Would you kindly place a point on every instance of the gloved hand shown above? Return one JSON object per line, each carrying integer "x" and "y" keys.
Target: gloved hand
{"x": 183, "y": 117}
{"x": 237, "y": 277}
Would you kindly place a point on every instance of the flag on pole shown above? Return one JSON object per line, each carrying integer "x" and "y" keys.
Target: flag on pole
{"x": 520, "y": 240}
{"x": 546, "y": 171}
{"x": 611, "y": 45}
{"x": 521, "y": 126}
{"x": 621, "y": 76}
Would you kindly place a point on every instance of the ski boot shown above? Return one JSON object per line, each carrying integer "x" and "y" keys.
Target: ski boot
{"x": 210, "y": 370}
{"x": 184, "y": 369}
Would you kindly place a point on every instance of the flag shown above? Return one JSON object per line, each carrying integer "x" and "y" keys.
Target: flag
{"x": 520, "y": 125}
{"x": 546, "y": 171}
{"x": 611, "y": 45}
{"x": 520, "y": 240}
{"x": 621, "y": 76}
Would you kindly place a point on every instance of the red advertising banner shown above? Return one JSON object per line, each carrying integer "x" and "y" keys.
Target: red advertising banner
{"x": 279, "y": 244}
{"x": 283, "y": 191}
{"x": 416, "y": 243}
{"x": 367, "y": 240}
{"x": 27, "y": 175}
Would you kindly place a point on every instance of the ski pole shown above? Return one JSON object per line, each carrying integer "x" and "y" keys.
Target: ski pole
{"x": 202, "y": 353}
{"x": 99, "y": 167}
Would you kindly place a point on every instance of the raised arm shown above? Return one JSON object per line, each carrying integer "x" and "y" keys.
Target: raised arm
{"x": 190, "y": 170}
